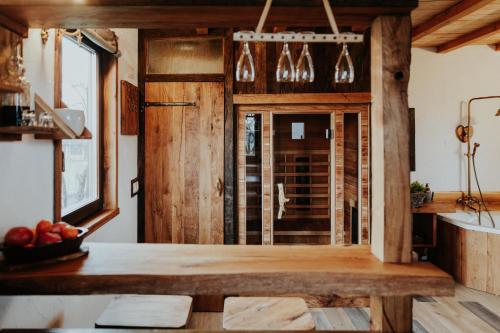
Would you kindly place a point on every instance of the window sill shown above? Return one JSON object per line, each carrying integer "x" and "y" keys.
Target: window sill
{"x": 95, "y": 222}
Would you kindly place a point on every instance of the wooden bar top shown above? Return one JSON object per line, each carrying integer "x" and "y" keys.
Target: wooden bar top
{"x": 174, "y": 269}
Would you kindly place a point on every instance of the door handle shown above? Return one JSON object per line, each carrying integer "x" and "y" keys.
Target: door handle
{"x": 282, "y": 200}
{"x": 220, "y": 187}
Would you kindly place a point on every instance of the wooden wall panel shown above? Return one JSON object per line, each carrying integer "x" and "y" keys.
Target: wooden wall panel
{"x": 339, "y": 178}
{"x": 474, "y": 259}
{"x": 493, "y": 263}
{"x": 365, "y": 177}
{"x": 242, "y": 206}
{"x": 471, "y": 257}
{"x": 184, "y": 164}
{"x": 129, "y": 108}
{"x": 267, "y": 178}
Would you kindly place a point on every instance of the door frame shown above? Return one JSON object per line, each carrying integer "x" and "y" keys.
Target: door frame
{"x": 335, "y": 110}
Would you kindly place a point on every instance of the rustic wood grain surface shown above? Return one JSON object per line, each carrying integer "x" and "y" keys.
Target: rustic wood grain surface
{"x": 229, "y": 269}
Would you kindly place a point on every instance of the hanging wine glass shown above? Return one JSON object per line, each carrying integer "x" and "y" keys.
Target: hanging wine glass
{"x": 245, "y": 69}
{"x": 304, "y": 71}
{"x": 344, "y": 69}
{"x": 285, "y": 71}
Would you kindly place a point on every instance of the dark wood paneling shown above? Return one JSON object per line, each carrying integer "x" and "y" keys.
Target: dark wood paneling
{"x": 154, "y": 14}
{"x": 230, "y": 230}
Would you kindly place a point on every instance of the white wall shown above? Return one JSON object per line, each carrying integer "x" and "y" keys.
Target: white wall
{"x": 440, "y": 85}
{"x": 26, "y": 193}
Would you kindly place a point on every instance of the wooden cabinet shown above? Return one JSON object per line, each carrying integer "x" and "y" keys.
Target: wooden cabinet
{"x": 184, "y": 163}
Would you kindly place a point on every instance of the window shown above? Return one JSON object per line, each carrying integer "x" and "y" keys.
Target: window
{"x": 185, "y": 56}
{"x": 80, "y": 86}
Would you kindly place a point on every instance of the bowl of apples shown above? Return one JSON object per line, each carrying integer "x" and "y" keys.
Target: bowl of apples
{"x": 46, "y": 241}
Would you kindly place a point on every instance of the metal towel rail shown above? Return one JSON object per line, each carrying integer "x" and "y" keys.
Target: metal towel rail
{"x": 160, "y": 104}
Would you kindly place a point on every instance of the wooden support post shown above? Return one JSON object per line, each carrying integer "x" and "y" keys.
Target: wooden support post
{"x": 391, "y": 213}
{"x": 391, "y": 314}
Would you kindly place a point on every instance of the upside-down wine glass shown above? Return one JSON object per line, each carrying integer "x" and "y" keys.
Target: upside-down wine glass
{"x": 304, "y": 71}
{"x": 245, "y": 69}
{"x": 344, "y": 69}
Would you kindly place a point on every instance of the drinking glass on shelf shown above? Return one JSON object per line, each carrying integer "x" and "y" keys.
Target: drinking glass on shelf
{"x": 344, "y": 69}
{"x": 45, "y": 120}
{"x": 304, "y": 71}
{"x": 285, "y": 71}
{"x": 245, "y": 69}
{"x": 28, "y": 118}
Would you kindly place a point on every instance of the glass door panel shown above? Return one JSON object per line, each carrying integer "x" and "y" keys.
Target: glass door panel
{"x": 253, "y": 177}
{"x": 301, "y": 179}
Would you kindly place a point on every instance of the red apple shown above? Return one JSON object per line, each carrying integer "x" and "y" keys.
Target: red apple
{"x": 43, "y": 226}
{"x": 48, "y": 238}
{"x": 58, "y": 227}
{"x": 19, "y": 236}
{"x": 69, "y": 232}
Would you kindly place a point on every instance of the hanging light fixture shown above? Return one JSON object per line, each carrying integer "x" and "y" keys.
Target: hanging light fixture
{"x": 245, "y": 69}
{"x": 304, "y": 72}
{"x": 344, "y": 69}
{"x": 286, "y": 71}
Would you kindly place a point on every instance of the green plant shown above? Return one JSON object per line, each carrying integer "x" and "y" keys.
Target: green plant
{"x": 417, "y": 187}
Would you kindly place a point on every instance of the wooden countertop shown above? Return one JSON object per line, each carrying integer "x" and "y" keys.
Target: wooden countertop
{"x": 435, "y": 208}
{"x": 228, "y": 269}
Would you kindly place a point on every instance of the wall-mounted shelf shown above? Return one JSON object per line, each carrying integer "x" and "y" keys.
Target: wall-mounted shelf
{"x": 15, "y": 133}
{"x": 5, "y": 88}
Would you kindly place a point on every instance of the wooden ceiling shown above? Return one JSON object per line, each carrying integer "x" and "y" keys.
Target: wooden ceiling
{"x": 178, "y": 14}
{"x": 447, "y": 25}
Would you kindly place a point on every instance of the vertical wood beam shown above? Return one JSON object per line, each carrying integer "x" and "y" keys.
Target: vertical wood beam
{"x": 229, "y": 148}
{"x": 391, "y": 314}
{"x": 267, "y": 184}
{"x": 391, "y": 213}
{"x": 339, "y": 178}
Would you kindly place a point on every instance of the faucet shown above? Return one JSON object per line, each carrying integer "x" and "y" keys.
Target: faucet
{"x": 464, "y": 134}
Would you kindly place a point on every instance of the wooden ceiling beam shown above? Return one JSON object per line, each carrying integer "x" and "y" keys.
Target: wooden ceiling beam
{"x": 451, "y": 14}
{"x": 470, "y": 38}
{"x": 156, "y": 14}
{"x": 246, "y": 3}
{"x": 13, "y": 26}
{"x": 497, "y": 47}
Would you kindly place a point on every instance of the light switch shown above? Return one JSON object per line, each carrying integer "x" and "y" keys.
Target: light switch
{"x": 134, "y": 187}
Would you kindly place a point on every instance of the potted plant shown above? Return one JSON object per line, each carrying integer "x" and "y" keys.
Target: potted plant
{"x": 418, "y": 194}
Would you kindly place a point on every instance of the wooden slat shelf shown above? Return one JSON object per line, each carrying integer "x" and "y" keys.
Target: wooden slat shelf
{"x": 5, "y": 88}
{"x": 435, "y": 207}
{"x": 15, "y": 133}
{"x": 177, "y": 269}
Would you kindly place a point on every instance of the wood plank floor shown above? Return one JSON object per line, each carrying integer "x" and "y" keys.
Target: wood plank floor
{"x": 468, "y": 311}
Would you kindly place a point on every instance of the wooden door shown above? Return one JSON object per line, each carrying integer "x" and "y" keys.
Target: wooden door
{"x": 184, "y": 163}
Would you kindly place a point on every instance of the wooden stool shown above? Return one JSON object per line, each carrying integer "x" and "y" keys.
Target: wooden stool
{"x": 146, "y": 311}
{"x": 267, "y": 313}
